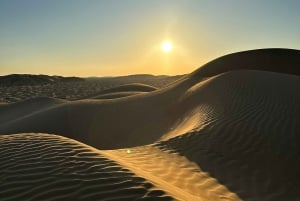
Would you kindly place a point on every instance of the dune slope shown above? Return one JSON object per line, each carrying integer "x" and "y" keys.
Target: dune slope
{"x": 13, "y": 111}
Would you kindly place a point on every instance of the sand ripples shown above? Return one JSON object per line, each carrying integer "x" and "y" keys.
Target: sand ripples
{"x": 251, "y": 145}
{"x": 49, "y": 167}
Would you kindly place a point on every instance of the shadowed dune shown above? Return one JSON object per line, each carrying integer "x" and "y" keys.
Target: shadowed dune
{"x": 272, "y": 59}
{"x": 233, "y": 136}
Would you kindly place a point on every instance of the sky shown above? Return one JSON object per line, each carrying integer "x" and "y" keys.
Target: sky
{"x": 121, "y": 37}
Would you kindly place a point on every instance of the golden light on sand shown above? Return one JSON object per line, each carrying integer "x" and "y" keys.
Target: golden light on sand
{"x": 166, "y": 46}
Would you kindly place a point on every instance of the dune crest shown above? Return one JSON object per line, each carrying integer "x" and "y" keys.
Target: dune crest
{"x": 123, "y": 91}
{"x": 270, "y": 59}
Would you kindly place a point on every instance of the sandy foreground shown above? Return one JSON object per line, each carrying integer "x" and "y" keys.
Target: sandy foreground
{"x": 226, "y": 134}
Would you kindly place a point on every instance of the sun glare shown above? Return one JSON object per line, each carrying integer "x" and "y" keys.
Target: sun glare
{"x": 166, "y": 46}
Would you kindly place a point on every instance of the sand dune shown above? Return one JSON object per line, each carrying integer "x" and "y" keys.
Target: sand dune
{"x": 232, "y": 136}
{"x": 272, "y": 59}
{"x": 247, "y": 136}
{"x": 129, "y": 87}
{"x": 49, "y": 167}
{"x": 123, "y": 91}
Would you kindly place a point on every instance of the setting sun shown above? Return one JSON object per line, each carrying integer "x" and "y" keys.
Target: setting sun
{"x": 166, "y": 46}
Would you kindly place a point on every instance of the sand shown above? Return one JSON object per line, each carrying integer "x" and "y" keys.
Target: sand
{"x": 231, "y": 136}
{"x": 123, "y": 91}
{"x": 50, "y": 167}
{"x": 21, "y": 87}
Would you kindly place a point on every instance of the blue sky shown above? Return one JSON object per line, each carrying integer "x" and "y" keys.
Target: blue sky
{"x": 119, "y": 37}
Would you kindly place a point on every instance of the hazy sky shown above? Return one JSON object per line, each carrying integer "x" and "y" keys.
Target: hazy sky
{"x": 118, "y": 37}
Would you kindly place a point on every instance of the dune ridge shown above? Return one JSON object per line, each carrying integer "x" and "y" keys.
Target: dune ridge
{"x": 114, "y": 95}
{"x": 268, "y": 59}
{"x": 129, "y": 87}
{"x": 122, "y": 91}
{"x": 174, "y": 173}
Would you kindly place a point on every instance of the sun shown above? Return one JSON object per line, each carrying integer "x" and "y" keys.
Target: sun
{"x": 166, "y": 46}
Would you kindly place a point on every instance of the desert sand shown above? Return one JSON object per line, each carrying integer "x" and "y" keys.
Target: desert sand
{"x": 227, "y": 131}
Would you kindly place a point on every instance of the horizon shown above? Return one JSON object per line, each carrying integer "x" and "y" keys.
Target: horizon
{"x": 119, "y": 38}
{"x": 108, "y": 76}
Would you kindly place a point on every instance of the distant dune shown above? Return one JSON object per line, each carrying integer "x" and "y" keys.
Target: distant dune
{"x": 228, "y": 131}
{"x": 129, "y": 87}
{"x": 26, "y": 79}
{"x": 123, "y": 90}
{"x": 14, "y": 88}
